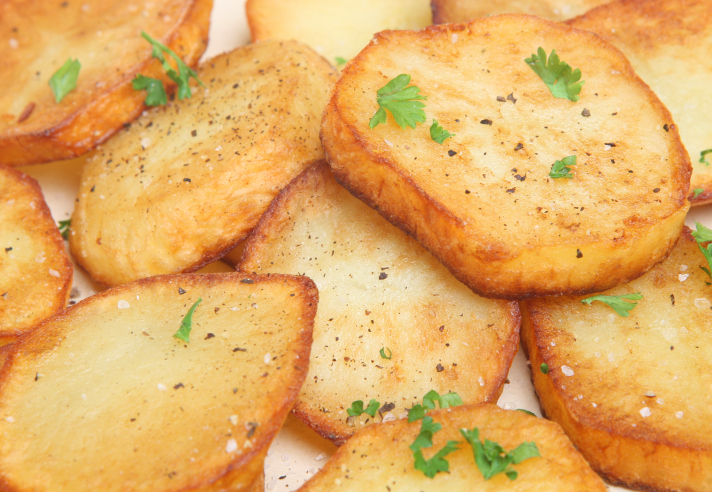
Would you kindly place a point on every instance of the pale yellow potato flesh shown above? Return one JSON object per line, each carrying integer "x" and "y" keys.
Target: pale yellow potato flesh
{"x": 483, "y": 202}
{"x": 185, "y": 183}
{"x": 39, "y": 36}
{"x": 455, "y": 11}
{"x": 35, "y": 271}
{"x": 668, "y": 42}
{"x": 634, "y": 393}
{"x": 378, "y": 457}
{"x": 104, "y": 397}
{"x": 334, "y": 28}
{"x": 379, "y": 290}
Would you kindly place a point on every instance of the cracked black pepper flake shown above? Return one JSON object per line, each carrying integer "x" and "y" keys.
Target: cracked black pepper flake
{"x": 467, "y": 192}
{"x": 512, "y": 98}
{"x": 93, "y": 188}
{"x": 451, "y": 153}
{"x": 611, "y": 144}
{"x": 440, "y": 368}
{"x": 251, "y": 428}
{"x": 666, "y": 127}
{"x": 501, "y": 99}
{"x": 579, "y": 254}
{"x": 8, "y": 249}
{"x": 655, "y": 190}
{"x": 382, "y": 276}
{"x": 178, "y": 386}
{"x": 181, "y": 291}
{"x": 486, "y": 122}
{"x": 194, "y": 133}
{"x": 209, "y": 336}
{"x": 519, "y": 146}
{"x": 387, "y": 407}
{"x": 585, "y": 113}
{"x": 519, "y": 177}
{"x": 239, "y": 349}
{"x": 187, "y": 180}
{"x": 511, "y": 190}
{"x": 672, "y": 299}
{"x": 247, "y": 281}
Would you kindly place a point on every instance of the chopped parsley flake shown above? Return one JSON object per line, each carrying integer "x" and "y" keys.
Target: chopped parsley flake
{"x": 619, "y": 304}
{"x": 64, "y": 226}
{"x": 703, "y": 158}
{"x": 340, "y": 61}
{"x": 704, "y": 235}
{"x": 562, "y": 168}
{"x": 386, "y": 355}
{"x": 64, "y": 80}
{"x": 447, "y": 400}
{"x": 559, "y": 77}
{"x": 491, "y": 458}
{"x": 437, "y": 463}
{"x": 186, "y": 325}
{"x": 403, "y": 103}
{"x": 697, "y": 192}
{"x": 357, "y": 408}
{"x": 438, "y": 133}
{"x": 155, "y": 93}
{"x": 544, "y": 368}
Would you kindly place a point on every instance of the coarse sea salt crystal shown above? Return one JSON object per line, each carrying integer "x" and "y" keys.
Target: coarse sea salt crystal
{"x": 321, "y": 457}
{"x": 509, "y": 406}
{"x": 645, "y": 412}
{"x": 123, "y": 304}
{"x": 54, "y": 273}
{"x": 161, "y": 387}
{"x": 233, "y": 419}
{"x": 567, "y": 371}
{"x": 268, "y": 358}
{"x": 679, "y": 414}
{"x": 231, "y": 446}
{"x": 12, "y": 419}
{"x": 683, "y": 276}
{"x": 683, "y": 268}
{"x": 702, "y": 303}
{"x": 481, "y": 380}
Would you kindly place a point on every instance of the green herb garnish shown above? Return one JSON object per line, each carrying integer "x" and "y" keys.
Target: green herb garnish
{"x": 703, "y": 159}
{"x": 704, "y": 235}
{"x": 447, "y": 400}
{"x": 155, "y": 93}
{"x": 64, "y": 80}
{"x": 357, "y": 408}
{"x": 697, "y": 192}
{"x": 403, "y": 103}
{"x": 64, "y": 226}
{"x": 491, "y": 458}
{"x": 562, "y": 168}
{"x": 544, "y": 368}
{"x": 619, "y": 304}
{"x": 340, "y": 61}
{"x": 183, "y": 332}
{"x": 437, "y": 463}
{"x": 527, "y": 411}
{"x": 562, "y": 81}
{"x": 438, "y": 133}
{"x": 385, "y": 355}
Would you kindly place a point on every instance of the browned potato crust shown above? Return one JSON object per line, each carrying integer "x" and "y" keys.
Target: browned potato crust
{"x": 634, "y": 394}
{"x": 35, "y": 271}
{"x": 378, "y": 457}
{"x": 185, "y": 183}
{"x": 455, "y": 11}
{"x": 104, "y": 35}
{"x": 379, "y": 289}
{"x": 483, "y": 202}
{"x": 668, "y": 42}
{"x": 104, "y": 397}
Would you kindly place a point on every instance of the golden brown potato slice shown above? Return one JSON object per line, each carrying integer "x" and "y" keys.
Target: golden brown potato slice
{"x": 35, "y": 271}
{"x": 633, "y": 393}
{"x": 668, "y": 42}
{"x": 334, "y": 28}
{"x": 379, "y": 458}
{"x": 104, "y": 397}
{"x": 105, "y": 36}
{"x": 455, "y": 11}
{"x": 379, "y": 290}
{"x": 484, "y": 202}
{"x": 186, "y": 183}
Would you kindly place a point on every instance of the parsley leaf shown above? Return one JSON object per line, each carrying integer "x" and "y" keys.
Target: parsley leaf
{"x": 372, "y": 408}
{"x": 425, "y": 438}
{"x": 447, "y": 400}
{"x": 403, "y": 103}
{"x": 703, "y": 160}
{"x": 562, "y": 81}
{"x": 341, "y": 61}
{"x": 183, "y": 332}
{"x": 416, "y": 413}
{"x": 64, "y": 226}
{"x": 544, "y": 368}
{"x": 704, "y": 235}
{"x": 155, "y": 93}
{"x": 357, "y": 408}
{"x": 491, "y": 458}
{"x": 437, "y": 463}
{"x": 562, "y": 168}
{"x": 618, "y": 303}
{"x": 450, "y": 400}
{"x": 64, "y": 80}
{"x": 526, "y": 411}
{"x": 697, "y": 192}
{"x": 430, "y": 398}
{"x": 385, "y": 355}
{"x": 438, "y": 133}
{"x": 184, "y": 73}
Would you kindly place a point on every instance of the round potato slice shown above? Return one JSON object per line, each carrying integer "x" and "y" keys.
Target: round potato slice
{"x": 393, "y": 323}
{"x": 105, "y": 396}
{"x": 35, "y": 271}
{"x": 454, "y": 11}
{"x": 668, "y": 43}
{"x": 633, "y": 393}
{"x": 486, "y": 201}
{"x": 105, "y": 37}
{"x": 186, "y": 183}
{"x": 379, "y": 457}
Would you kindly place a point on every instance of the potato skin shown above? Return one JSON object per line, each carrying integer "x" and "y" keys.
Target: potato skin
{"x": 661, "y": 452}
{"x": 104, "y": 99}
{"x": 455, "y": 11}
{"x": 468, "y": 233}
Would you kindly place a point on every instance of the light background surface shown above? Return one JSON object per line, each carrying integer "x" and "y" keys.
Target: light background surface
{"x": 297, "y": 453}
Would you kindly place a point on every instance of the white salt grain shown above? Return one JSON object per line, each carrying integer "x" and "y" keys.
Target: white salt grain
{"x": 645, "y": 412}
{"x": 124, "y": 304}
{"x": 231, "y": 446}
{"x": 679, "y": 414}
{"x": 567, "y": 371}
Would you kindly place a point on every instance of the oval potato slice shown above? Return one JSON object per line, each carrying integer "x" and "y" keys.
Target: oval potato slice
{"x": 378, "y": 457}
{"x": 456, "y": 11}
{"x": 334, "y": 28}
{"x": 379, "y": 290}
{"x": 35, "y": 271}
{"x": 634, "y": 394}
{"x": 668, "y": 43}
{"x": 104, "y": 397}
{"x": 483, "y": 202}
{"x": 105, "y": 36}
{"x": 186, "y": 183}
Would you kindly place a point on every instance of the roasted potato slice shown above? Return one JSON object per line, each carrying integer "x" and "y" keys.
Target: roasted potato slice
{"x": 379, "y": 291}
{"x": 105, "y": 397}
{"x": 35, "y": 271}
{"x": 633, "y": 393}
{"x": 668, "y": 43}
{"x": 186, "y": 183}
{"x": 379, "y": 456}
{"x": 484, "y": 202}
{"x": 104, "y": 35}
{"x": 455, "y": 11}
{"x": 334, "y": 28}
